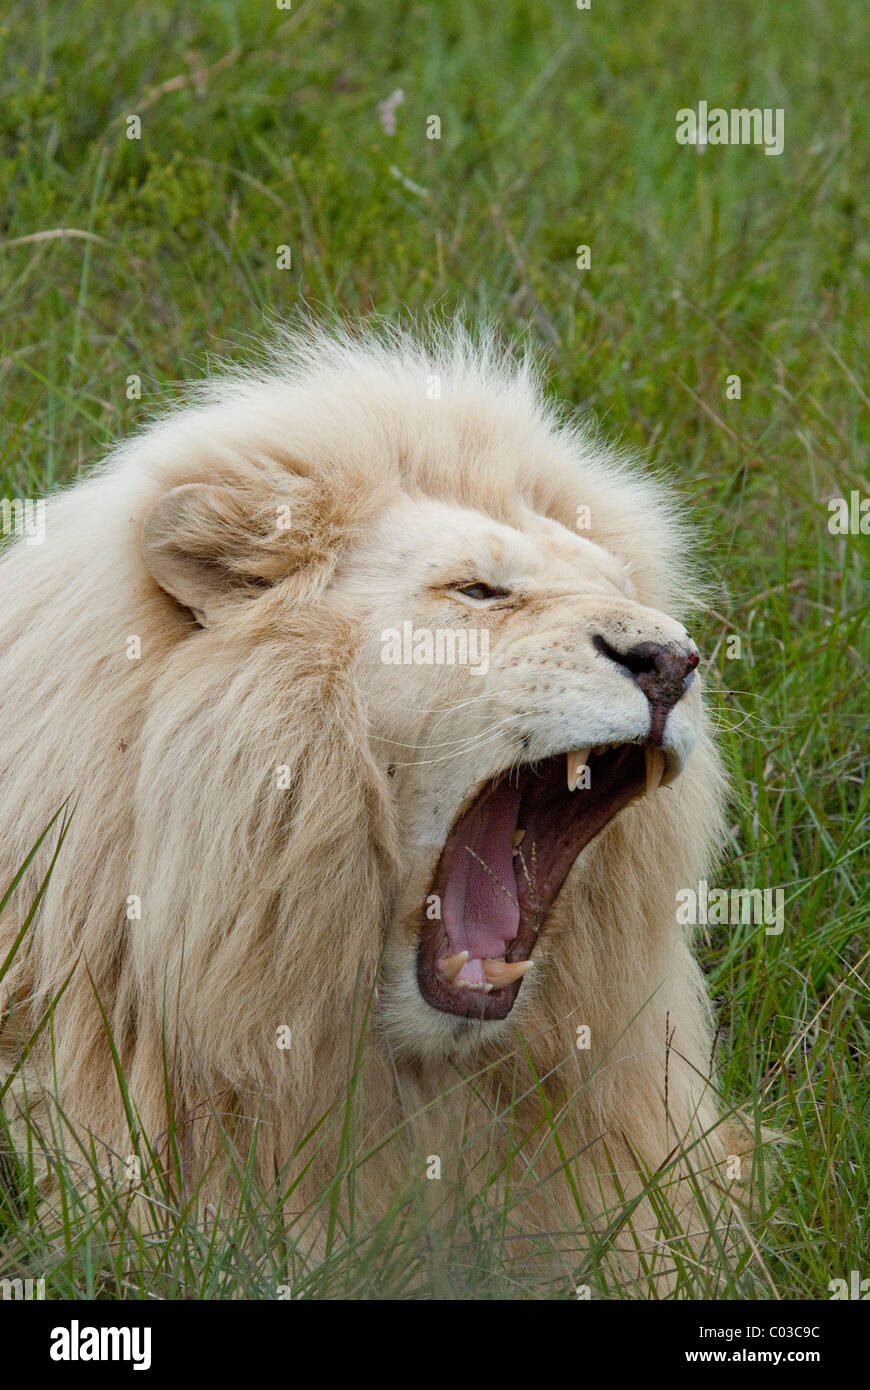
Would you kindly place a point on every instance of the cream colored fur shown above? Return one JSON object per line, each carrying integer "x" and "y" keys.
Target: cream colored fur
{"x": 265, "y": 904}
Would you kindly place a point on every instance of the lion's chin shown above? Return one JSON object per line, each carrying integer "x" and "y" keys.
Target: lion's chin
{"x": 504, "y": 863}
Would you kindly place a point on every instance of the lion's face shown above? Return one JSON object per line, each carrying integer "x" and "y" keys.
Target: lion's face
{"x": 521, "y": 697}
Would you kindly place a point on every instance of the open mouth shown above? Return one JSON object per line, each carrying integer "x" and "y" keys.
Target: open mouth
{"x": 504, "y": 864}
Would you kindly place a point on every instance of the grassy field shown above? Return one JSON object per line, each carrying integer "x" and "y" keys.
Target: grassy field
{"x": 260, "y": 129}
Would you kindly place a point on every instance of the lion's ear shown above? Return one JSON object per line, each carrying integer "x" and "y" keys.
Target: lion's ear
{"x": 208, "y": 545}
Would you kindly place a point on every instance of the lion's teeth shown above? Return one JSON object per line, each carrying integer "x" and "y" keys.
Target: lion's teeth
{"x": 655, "y": 768}
{"x": 474, "y": 984}
{"x": 576, "y": 763}
{"x": 499, "y": 973}
{"x": 519, "y": 836}
{"x": 451, "y": 965}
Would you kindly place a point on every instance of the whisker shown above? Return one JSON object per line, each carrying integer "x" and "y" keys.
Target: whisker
{"x": 460, "y": 747}
{"x": 448, "y": 742}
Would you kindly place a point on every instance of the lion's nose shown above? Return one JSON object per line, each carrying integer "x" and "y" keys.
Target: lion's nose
{"x": 662, "y": 670}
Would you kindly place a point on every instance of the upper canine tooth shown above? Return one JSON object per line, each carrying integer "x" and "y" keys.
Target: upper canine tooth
{"x": 655, "y": 768}
{"x": 576, "y": 763}
{"x": 519, "y": 836}
{"x": 451, "y": 965}
{"x": 499, "y": 973}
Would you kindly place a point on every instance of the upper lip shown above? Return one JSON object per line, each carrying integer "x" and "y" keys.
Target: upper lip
{"x": 558, "y": 824}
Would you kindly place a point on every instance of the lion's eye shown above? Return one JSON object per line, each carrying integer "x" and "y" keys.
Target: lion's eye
{"x": 482, "y": 591}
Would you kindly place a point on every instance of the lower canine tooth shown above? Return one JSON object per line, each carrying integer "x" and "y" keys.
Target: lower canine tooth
{"x": 451, "y": 965}
{"x": 576, "y": 763}
{"x": 500, "y": 973}
{"x": 655, "y": 768}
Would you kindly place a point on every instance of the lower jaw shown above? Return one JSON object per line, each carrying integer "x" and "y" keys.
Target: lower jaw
{"x": 476, "y": 1004}
{"x": 473, "y": 1003}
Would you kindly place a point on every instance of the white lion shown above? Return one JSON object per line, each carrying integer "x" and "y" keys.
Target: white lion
{"x": 304, "y": 848}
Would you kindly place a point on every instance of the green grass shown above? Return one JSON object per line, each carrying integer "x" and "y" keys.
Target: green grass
{"x": 260, "y": 129}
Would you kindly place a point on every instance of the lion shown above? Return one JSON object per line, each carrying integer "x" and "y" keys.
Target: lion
{"x": 363, "y": 679}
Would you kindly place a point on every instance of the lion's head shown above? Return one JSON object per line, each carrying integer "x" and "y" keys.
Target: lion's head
{"x": 494, "y": 592}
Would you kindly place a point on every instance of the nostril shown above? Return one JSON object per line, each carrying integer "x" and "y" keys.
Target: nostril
{"x": 640, "y": 659}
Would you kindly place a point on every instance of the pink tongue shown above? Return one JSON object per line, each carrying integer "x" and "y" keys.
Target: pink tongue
{"x": 480, "y": 910}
